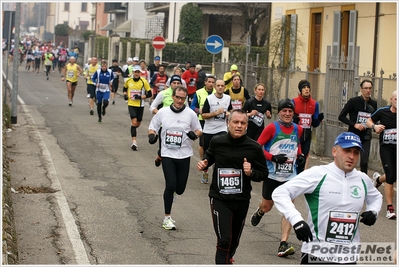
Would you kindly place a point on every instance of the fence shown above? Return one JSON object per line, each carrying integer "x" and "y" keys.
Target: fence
{"x": 331, "y": 89}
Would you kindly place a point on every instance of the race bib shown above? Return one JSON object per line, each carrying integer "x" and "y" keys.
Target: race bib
{"x": 285, "y": 168}
{"x": 305, "y": 120}
{"x": 258, "y": 119}
{"x": 236, "y": 104}
{"x": 220, "y": 117}
{"x": 133, "y": 93}
{"x": 161, "y": 87}
{"x": 103, "y": 86}
{"x": 362, "y": 117}
{"x": 70, "y": 74}
{"x": 389, "y": 136}
{"x": 173, "y": 138}
{"x": 229, "y": 181}
{"x": 341, "y": 227}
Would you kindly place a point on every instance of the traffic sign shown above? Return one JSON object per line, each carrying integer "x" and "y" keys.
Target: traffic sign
{"x": 214, "y": 44}
{"x": 158, "y": 42}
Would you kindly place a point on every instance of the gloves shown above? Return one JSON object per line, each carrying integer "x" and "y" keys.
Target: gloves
{"x": 280, "y": 158}
{"x": 152, "y": 138}
{"x": 368, "y": 218}
{"x": 295, "y": 119}
{"x": 192, "y": 135}
{"x": 300, "y": 160}
{"x": 321, "y": 117}
{"x": 303, "y": 232}
{"x": 137, "y": 96}
{"x": 125, "y": 97}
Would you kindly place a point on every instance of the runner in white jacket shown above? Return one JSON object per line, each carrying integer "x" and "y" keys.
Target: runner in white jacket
{"x": 335, "y": 195}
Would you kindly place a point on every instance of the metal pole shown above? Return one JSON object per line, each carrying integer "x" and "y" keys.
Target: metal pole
{"x": 8, "y": 55}
{"x": 14, "y": 92}
{"x": 213, "y": 64}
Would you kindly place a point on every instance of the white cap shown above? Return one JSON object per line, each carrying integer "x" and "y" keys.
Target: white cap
{"x": 129, "y": 59}
{"x": 135, "y": 59}
{"x": 136, "y": 67}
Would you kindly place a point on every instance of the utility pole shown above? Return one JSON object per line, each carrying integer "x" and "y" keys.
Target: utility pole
{"x": 14, "y": 92}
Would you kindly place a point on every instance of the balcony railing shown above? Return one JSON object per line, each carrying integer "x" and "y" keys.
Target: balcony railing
{"x": 114, "y": 8}
{"x": 154, "y": 5}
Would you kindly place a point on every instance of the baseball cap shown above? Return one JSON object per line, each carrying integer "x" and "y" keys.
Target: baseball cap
{"x": 234, "y": 67}
{"x": 347, "y": 140}
{"x": 175, "y": 78}
{"x": 135, "y": 59}
{"x": 129, "y": 59}
{"x": 285, "y": 103}
{"x": 136, "y": 68}
{"x": 157, "y": 58}
{"x": 192, "y": 65}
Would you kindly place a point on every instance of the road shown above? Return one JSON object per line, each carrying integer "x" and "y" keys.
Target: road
{"x": 99, "y": 202}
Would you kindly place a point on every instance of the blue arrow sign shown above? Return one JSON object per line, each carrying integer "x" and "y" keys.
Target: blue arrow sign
{"x": 214, "y": 44}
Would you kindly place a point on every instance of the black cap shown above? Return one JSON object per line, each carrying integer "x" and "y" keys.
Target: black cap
{"x": 285, "y": 103}
{"x": 302, "y": 84}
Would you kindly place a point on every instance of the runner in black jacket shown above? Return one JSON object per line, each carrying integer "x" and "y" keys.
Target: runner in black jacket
{"x": 238, "y": 159}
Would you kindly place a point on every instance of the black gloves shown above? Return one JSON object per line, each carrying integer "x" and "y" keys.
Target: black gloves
{"x": 192, "y": 135}
{"x": 137, "y": 96}
{"x": 300, "y": 160}
{"x": 152, "y": 138}
{"x": 125, "y": 97}
{"x": 280, "y": 158}
{"x": 295, "y": 119}
{"x": 321, "y": 117}
{"x": 303, "y": 232}
{"x": 368, "y": 218}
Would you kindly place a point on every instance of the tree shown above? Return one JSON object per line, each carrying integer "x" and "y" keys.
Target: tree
{"x": 62, "y": 30}
{"x": 86, "y": 34}
{"x": 190, "y": 24}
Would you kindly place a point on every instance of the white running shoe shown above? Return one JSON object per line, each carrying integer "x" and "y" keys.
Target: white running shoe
{"x": 391, "y": 213}
{"x": 168, "y": 224}
{"x": 134, "y": 146}
{"x": 376, "y": 175}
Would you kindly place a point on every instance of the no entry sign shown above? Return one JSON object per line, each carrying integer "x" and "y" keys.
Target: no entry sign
{"x": 158, "y": 42}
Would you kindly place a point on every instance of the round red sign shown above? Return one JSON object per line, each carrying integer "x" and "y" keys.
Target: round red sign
{"x": 158, "y": 42}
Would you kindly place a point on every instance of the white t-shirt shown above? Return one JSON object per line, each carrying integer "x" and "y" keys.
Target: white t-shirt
{"x": 218, "y": 123}
{"x": 175, "y": 126}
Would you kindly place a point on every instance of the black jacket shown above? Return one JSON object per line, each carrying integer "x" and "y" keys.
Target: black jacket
{"x": 352, "y": 107}
{"x": 227, "y": 152}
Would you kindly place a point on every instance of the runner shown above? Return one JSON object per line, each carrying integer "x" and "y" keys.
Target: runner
{"x": 91, "y": 87}
{"x": 335, "y": 195}
{"x": 102, "y": 78}
{"x": 72, "y": 71}
{"x": 135, "y": 90}
{"x": 180, "y": 126}
{"x": 237, "y": 161}
{"x": 388, "y": 129}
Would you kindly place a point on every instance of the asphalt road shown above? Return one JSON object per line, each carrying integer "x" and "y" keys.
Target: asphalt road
{"x": 99, "y": 202}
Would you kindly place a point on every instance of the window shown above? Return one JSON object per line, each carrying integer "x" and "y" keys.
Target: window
{"x": 66, "y": 6}
{"x": 344, "y": 34}
{"x": 84, "y": 7}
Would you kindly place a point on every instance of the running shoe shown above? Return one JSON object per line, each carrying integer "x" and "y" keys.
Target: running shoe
{"x": 134, "y": 146}
{"x": 47, "y": 78}
{"x": 113, "y": 102}
{"x": 232, "y": 260}
{"x": 391, "y": 213}
{"x": 103, "y": 112}
{"x": 256, "y": 217}
{"x": 91, "y": 112}
{"x": 376, "y": 175}
{"x": 99, "y": 120}
{"x": 204, "y": 179}
{"x": 285, "y": 249}
{"x": 70, "y": 103}
{"x": 169, "y": 224}
{"x": 158, "y": 161}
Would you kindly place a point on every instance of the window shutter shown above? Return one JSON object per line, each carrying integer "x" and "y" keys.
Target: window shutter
{"x": 336, "y": 40}
{"x": 352, "y": 35}
{"x": 293, "y": 36}
{"x": 282, "y": 42}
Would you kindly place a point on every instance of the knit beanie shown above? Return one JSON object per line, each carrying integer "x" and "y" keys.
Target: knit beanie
{"x": 302, "y": 84}
{"x": 285, "y": 103}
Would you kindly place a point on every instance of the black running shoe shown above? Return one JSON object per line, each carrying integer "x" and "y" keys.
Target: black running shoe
{"x": 285, "y": 249}
{"x": 256, "y": 217}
